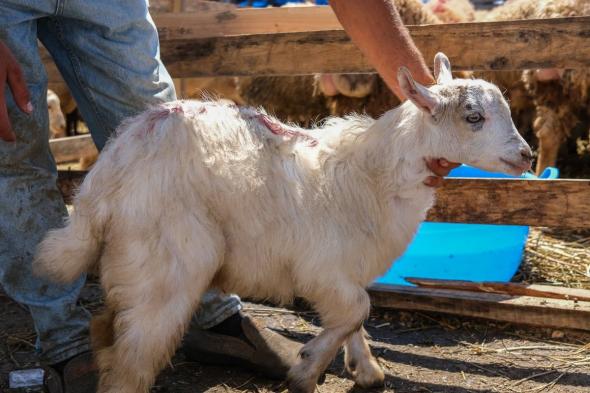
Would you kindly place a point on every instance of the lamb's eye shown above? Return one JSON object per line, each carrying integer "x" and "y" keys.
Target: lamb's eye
{"x": 474, "y": 118}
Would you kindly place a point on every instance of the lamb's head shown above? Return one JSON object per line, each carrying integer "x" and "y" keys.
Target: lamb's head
{"x": 468, "y": 121}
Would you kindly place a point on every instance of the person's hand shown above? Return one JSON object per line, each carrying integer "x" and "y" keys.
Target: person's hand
{"x": 11, "y": 72}
{"x": 440, "y": 167}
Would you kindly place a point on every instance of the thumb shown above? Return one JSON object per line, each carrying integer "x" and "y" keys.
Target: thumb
{"x": 18, "y": 86}
{"x": 6, "y": 132}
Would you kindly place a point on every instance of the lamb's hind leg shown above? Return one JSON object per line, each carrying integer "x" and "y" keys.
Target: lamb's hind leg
{"x": 342, "y": 313}
{"x": 152, "y": 302}
{"x": 360, "y": 363}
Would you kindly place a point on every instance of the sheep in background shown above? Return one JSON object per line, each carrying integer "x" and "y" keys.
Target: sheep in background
{"x": 57, "y": 121}
{"x": 560, "y": 104}
{"x": 328, "y": 210}
{"x": 289, "y": 98}
{"x": 217, "y": 87}
{"x": 368, "y": 93}
{"x": 60, "y": 101}
{"x": 68, "y": 106}
{"x": 306, "y": 99}
{"x": 554, "y": 97}
{"x": 452, "y": 11}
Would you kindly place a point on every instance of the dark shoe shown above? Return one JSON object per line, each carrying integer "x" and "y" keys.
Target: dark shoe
{"x": 254, "y": 347}
{"x": 75, "y": 375}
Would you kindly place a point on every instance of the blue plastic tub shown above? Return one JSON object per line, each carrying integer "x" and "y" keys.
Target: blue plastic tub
{"x": 471, "y": 252}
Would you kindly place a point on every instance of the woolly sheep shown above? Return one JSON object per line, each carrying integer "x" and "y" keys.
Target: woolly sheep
{"x": 306, "y": 98}
{"x": 556, "y": 98}
{"x": 452, "y": 11}
{"x": 57, "y": 120}
{"x": 192, "y": 195}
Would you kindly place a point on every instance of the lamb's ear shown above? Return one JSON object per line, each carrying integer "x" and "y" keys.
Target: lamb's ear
{"x": 442, "y": 68}
{"x": 418, "y": 94}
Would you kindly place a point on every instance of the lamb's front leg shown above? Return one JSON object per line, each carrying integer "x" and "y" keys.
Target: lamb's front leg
{"x": 342, "y": 311}
{"x": 359, "y": 362}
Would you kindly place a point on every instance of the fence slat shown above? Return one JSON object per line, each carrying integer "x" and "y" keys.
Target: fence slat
{"x": 515, "y": 309}
{"x": 549, "y": 203}
{"x": 240, "y": 21}
{"x": 71, "y": 148}
{"x": 560, "y": 42}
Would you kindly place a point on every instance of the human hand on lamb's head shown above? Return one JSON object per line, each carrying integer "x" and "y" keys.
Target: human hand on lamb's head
{"x": 468, "y": 120}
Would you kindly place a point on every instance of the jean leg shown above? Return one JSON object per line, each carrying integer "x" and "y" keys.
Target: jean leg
{"x": 30, "y": 204}
{"x": 108, "y": 53}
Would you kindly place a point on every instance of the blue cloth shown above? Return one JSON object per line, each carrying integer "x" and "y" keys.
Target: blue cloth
{"x": 108, "y": 53}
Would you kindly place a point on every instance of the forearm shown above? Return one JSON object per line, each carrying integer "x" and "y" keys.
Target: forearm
{"x": 377, "y": 29}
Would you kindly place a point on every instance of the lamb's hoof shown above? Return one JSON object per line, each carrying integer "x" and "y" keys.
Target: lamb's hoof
{"x": 322, "y": 378}
{"x": 369, "y": 375}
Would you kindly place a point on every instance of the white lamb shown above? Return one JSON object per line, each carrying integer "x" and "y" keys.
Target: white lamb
{"x": 191, "y": 195}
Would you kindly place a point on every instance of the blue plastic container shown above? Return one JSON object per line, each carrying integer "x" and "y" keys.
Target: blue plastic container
{"x": 471, "y": 252}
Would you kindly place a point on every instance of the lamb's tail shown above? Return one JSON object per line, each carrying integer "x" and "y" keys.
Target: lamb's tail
{"x": 66, "y": 253}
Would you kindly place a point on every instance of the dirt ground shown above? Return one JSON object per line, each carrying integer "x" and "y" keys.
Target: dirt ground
{"x": 419, "y": 353}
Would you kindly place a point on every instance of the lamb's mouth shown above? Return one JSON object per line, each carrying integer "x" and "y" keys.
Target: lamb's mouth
{"x": 523, "y": 167}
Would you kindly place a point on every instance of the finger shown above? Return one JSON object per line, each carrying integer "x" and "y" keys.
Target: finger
{"x": 441, "y": 167}
{"x": 436, "y": 167}
{"x": 434, "y": 181}
{"x": 448, "y": 164}
{"x": 6, "y": 133}
{"x": 18, "y": 86}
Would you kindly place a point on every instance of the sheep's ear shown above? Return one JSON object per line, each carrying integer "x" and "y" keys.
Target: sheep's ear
{"x": 418, "y": 94}
{"x": 442, "y": 69}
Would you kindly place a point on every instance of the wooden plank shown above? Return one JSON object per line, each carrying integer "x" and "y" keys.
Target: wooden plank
{"x": 492, "y": 46}
{"x": 507, "y": 288}
{"x": 71, "y": 148}
{"x": 242, "y": 21}
{"x": 552, "y": 203}
{"x": 524, "y": 44}
{"x": 527, "y": 310}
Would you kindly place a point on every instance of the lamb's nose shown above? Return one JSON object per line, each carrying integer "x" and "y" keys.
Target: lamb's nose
{"x": 526, "y": 154}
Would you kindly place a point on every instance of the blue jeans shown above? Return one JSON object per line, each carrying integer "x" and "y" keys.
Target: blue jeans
{"x": 108, "y": 54}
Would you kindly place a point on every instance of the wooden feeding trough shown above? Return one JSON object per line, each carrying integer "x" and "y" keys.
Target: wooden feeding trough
{"x": 221, "y": 41}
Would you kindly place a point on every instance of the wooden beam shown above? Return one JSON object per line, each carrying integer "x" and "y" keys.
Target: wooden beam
{"x": 492, "y": 46}
{"x": 245, "y": 21}
{"x": 550, "y": 203}
{"x": 524, "y": 44}
{"x": 71, "y": 148}
{"x": 527, "y": 310}
{"x": 507, "y": 288}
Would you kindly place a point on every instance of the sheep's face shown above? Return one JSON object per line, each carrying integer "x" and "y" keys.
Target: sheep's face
{"x": 349, "y": 85}
{"x": 57, "y": 121}
{"x": 470, "y": 121}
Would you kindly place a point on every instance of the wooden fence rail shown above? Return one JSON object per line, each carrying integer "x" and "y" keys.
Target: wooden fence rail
{"x": 537, "y": 311}
{"x": 550, "y": 203}
{"x": 560, "y": 42}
